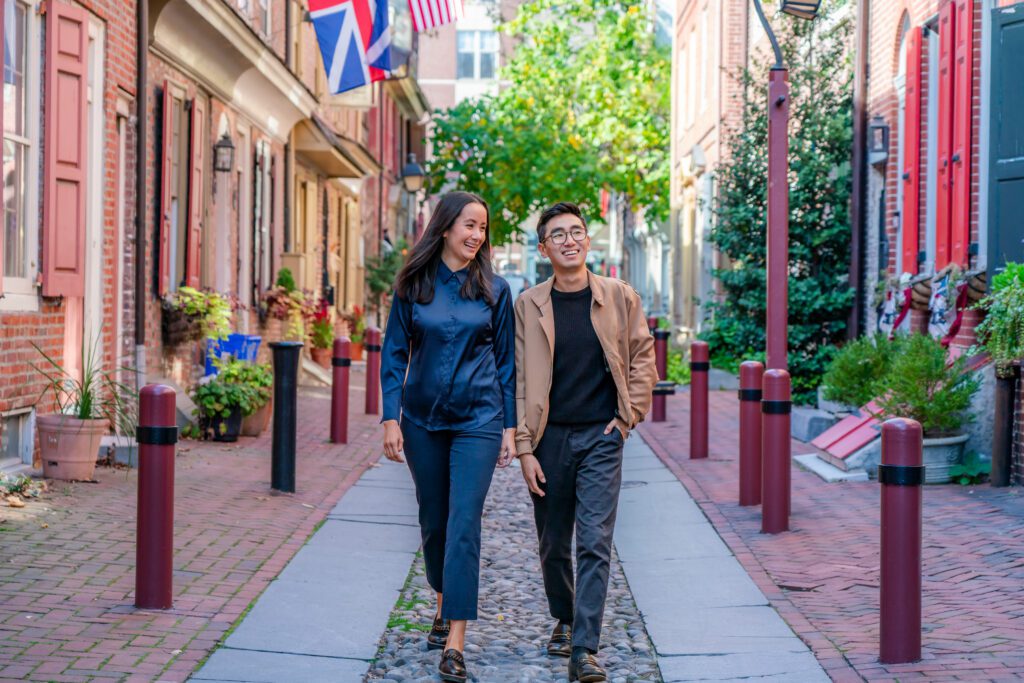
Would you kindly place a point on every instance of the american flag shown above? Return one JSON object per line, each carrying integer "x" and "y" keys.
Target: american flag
{"x": 355, "y": 41}
{"x": 428, "y": 14}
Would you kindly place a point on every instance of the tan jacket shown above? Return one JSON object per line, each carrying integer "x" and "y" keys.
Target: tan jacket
{"x": 621, "y": 327}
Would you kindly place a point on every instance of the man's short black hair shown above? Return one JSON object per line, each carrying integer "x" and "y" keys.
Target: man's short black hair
{"x": 559, "y": 209}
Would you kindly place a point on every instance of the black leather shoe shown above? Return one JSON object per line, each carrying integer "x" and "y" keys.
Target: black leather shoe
{"x": 560, "y": 644}
{"x": 453, "y": 667}
{"x": 438, "y": 635}
{"x": 586, "y": 670}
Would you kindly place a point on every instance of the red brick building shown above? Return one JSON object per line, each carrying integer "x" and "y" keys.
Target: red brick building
{"x": 943, "y": 191}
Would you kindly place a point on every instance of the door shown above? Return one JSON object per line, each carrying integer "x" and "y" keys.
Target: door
{"x": 1006, "y": 176}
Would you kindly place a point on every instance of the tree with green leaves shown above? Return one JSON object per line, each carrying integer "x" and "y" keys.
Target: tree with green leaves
{"x": 820, "y": 184}
{"x": 586, "y": 107}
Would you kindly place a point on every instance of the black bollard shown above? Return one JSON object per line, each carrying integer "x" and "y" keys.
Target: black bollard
{"x": 282, "y": 457}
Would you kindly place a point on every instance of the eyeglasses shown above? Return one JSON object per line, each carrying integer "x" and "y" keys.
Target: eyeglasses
{"x": 558, "y": 236}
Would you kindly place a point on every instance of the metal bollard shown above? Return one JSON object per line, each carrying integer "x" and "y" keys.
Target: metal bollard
{"x": 372, "y": 346}
{"x": 751, "y": 373}
{"x": 154, "y": 534}
{"x": 341, "y": 364}
{"x": 699, "y": 366}
{"x": 282, "y": 450}
{"x": 775, "y": 448}
{"x": 900, "y": 475}
{"x": 661, "y": 390}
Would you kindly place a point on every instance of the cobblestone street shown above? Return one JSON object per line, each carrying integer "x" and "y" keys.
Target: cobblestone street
{"x": 508, "y": 642}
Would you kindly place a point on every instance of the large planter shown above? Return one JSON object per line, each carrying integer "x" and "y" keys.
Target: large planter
{"x": 253, "y": 425}
{"x": 69, "y": 446}
{"x": 321, "y": 357}
{"x": 227, "y": 428}
{"x": 940, "y": 454}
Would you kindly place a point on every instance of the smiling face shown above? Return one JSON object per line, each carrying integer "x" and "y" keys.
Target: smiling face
{"x": 571, "y": 254}
{"x": 467, "y": 235}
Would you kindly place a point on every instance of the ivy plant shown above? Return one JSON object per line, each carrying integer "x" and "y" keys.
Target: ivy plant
{"x": 1001, "y": 333}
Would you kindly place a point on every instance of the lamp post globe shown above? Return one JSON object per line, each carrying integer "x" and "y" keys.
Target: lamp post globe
{"x": 412, "y": 175}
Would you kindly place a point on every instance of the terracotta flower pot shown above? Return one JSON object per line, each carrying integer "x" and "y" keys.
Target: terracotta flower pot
{"x": 69, "y": 446}
{"x": 321, "y": 357}
{"x": 253, "y": 425}
{"x": 356, "y": 351}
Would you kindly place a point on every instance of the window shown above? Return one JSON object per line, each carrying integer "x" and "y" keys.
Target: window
{"x": 18, "y": 247}
{"x": 477, "y": 54}
{"x": 705, "y": 44}
{"x": 265, "y": 17}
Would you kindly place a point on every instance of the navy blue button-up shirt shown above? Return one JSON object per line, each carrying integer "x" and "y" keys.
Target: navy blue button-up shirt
{"x": 459, "y": 354}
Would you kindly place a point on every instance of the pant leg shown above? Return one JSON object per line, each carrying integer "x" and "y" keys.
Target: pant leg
{"x": 427, "y": 454}
{"x": 474, "y": 455}
{"x": 554, "y": 514}
{"x": 598, "y": 481}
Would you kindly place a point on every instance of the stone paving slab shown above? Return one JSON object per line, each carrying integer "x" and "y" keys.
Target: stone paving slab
{"x": 246, "y": 666}
{"x": 706, "y": 618}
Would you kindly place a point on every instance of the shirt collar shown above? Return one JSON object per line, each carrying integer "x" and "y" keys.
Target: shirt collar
{"x": 445, "y": 274}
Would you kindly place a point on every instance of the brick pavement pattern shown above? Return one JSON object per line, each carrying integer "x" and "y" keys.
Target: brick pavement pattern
{"x": 822, "y": 576}
{"x": 67, "y": 565}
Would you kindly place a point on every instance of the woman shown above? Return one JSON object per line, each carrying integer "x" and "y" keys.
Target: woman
{"x": 448, "y": 381}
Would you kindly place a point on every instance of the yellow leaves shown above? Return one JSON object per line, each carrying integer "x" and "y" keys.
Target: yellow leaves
{"x": 633, "y": 10}
{"x": 576, "y": 141}
{"x": 530, "y": 101}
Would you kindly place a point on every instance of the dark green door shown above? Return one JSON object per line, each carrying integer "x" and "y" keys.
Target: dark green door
{"x": 1006, "y": 179}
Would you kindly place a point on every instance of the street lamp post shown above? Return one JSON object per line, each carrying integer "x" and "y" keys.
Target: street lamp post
{"x": 776, "y": 333}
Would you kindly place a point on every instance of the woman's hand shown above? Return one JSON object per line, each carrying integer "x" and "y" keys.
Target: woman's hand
{"x": 508, "y": 448}
{"x": 393, "y": 441}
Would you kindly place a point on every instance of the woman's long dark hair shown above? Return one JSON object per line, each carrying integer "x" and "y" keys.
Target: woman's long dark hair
{"x": 415, "y": 282}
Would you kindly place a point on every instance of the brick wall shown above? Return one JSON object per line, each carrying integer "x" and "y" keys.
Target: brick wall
{"x": 1018, "y": 433}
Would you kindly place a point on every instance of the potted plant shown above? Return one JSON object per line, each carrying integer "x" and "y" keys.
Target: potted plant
{"x": 88, "y": 407}
{"x": 190, "y": 314}
{"x": 356, "y": 321}
{"x": 259, "y": 378}
{"x": 220, "y": 406}
{"x": 1001, "y": 334}
{"x": 322, "y": 335}
{"x": 290, "y": 305}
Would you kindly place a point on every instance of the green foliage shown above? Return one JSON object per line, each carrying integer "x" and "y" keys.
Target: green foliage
{"x": 381, "y": 271}
{"x": 973, "y": 470}
{"x": 856, "y": 374}
{"x": 677, "y": 370}
{"x": 92, "y": 394}
{"x": 1001, "y": 333}
{"x": 819, "y": 225}
{"x": 921, "y": 385}
{"x": 285, "y": 280}
{"x": 257, "y": 377}
{"x": 212, "y": 309}
{"x": 322, "y": 334}
{"x": 586, "y": 106}
{"x": 216, "y": 397}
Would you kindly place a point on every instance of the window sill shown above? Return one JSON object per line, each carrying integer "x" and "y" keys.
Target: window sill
{"x": 19, "y": 295}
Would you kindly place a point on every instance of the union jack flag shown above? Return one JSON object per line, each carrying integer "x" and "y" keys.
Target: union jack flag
{"x": 355, "y": 41}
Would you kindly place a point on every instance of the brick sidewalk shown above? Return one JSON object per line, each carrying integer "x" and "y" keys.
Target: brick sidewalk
{"x": 67, "y": 576}
{"x": 822, "y": 576}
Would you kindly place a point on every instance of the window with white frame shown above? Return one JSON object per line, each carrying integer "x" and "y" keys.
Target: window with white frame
{"x": 477, "y": 55}
{"x": 266, "y": 21}
{"x": 19, "y": 230}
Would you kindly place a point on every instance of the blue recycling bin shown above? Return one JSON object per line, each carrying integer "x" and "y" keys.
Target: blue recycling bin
{"x": 241, "y": 346}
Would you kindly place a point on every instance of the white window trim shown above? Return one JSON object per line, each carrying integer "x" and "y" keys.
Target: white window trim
{"x": 21, "y": 293}
{"x": 932, "y": 113}
{"x": 984, "y": 138}
{"x": 266, "y": 26}
{"x": 477, "y": 52}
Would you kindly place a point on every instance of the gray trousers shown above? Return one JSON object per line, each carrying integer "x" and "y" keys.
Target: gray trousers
{"x": 583, "y": 469}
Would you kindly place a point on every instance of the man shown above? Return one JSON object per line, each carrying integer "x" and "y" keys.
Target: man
{"x": 584, "y": 373}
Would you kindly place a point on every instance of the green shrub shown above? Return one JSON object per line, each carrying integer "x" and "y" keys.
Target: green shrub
{"x": 257, "y": 377}
{"x": 973, "y": 470}
{"x": 1001, "y": 333}
{"x": 921, "y": 386}
{"x": 677, "y": 370}
{"x": 855, "y": 375}
{"x": 285, "y": 280}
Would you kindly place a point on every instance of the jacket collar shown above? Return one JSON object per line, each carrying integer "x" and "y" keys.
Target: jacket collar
{"x": 541, "y": 294}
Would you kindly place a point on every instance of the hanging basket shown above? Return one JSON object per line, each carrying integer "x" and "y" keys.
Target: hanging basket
{"x": 179, "y": 328}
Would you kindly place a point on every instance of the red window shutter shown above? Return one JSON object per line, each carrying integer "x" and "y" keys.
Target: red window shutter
{"x": 911, "y": 212}
{"x": 963, "y": 91}
{"x": 166, "y": 187}
{"x": 197, "y": 162}
{"x": 944, "y": 135}
{"x": 64, "y": 165}
{"x": 3, "y": 22}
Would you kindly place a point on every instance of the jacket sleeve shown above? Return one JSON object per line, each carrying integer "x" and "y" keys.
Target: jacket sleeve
{"x": 524, "y": 440}
{"x": 643, "y": 372}
{"x": 504, "y": 354}
{"x": 395, "y": 357}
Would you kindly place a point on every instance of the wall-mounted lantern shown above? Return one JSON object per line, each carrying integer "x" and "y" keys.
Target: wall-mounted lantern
{"x": 805, "y": 9}
{"x": 878, "y": 141}
{"x": 224, "y": 155}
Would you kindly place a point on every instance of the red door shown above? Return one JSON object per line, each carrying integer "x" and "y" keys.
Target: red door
{"x": 912, "y": 154}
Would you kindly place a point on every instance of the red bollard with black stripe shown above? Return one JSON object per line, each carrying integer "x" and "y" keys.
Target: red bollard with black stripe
{"x": 156, "y": 435}
{"x": 372, "y": 345}
{"x": 776, "y": 409}
{"x": 341, "y": 363}
{"x": 700, "y": 365}
{"x": 751, "y": 377}
{"x": 900, "y": 475}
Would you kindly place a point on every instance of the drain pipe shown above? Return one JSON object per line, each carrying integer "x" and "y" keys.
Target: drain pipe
{"x": 142, "y": 121}
{"x": 858, "y": 200}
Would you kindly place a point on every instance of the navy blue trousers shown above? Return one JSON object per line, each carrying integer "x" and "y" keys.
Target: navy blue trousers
{"x": 452, "y": 471}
